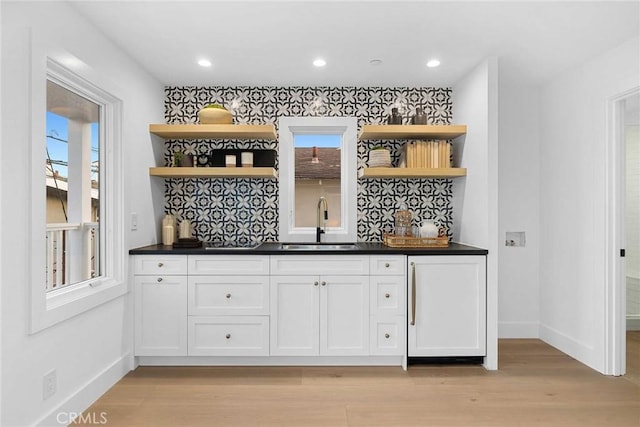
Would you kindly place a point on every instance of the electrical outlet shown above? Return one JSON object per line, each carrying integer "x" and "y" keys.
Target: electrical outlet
{"x": 49, "y": 384}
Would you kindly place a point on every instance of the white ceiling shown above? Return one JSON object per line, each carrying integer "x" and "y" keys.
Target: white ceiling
{"x": 265, "y": 42}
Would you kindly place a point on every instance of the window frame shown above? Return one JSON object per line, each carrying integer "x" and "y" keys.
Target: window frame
{"x": 50, "y": 308}
{"x": 288, "y": 127}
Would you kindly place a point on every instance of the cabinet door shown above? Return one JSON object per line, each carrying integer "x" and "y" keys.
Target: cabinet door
{"x": 160, "y": 315}
{"x": 294, "y": 315}
{"x": 344, "y": 315}
{"x": 449, "y": 316}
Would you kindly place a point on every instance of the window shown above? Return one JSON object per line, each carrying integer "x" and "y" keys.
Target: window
{"x": 72, "y": 187}
{"x": 77, "y": 242}
{"x": 317, "y": 160}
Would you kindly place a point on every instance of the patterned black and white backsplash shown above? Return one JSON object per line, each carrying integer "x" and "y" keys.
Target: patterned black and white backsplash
{"x": 246, "y": 210}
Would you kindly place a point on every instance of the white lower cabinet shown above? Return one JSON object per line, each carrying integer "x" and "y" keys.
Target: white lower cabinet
{"x": 310, "y": 305}
{"x": 325, "y": 315}
{"x": 387, "y": 305}
{"x": 447, "y": 305}
{"x": 228, "y": 305}
{"x": 160, "y": 315}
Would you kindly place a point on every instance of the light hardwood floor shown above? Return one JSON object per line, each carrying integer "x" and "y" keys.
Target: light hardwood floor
{"x": 633, "y": 356}
{"x": 536, "y": 386}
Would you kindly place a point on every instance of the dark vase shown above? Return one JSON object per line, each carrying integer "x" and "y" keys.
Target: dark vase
{"x": 187, "y": 161}
{"x": 394, "y": 118}
{"x": 420, "y": 118}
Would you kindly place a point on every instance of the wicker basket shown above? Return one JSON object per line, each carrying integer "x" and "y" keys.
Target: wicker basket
{"x": 379, "y": 159}
{"x": 394, "y": 241}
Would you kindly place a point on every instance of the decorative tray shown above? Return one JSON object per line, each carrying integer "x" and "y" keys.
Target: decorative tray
{"x": 394, "y": 241}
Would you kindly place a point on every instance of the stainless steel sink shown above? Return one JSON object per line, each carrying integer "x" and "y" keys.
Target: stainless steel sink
{"x": 319, "y": 246}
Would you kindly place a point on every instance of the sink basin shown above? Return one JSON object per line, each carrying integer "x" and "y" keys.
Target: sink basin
{"x": 319, "y": 246}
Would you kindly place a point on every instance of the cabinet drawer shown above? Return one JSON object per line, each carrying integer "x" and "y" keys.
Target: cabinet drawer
{"x": 158, "y": 264}
{"x": 228, "y": 265}
{"x": 387, "y": 335}
{"x": 387, "y": 265}
{"x": 228, "y": 335}
{"x": 387, "y": 295}
{"x": 228, "y": 295}
{"x": 319, "y": 264}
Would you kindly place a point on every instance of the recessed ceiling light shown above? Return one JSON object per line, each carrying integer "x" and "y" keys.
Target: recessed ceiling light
{"x": 433, "y": 63}
{"x": 319, "y": 62}
{"x": 375, "y": 62}
{"x": 204, "y": 63}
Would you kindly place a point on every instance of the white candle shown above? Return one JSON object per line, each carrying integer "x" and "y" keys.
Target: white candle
{"x": 247, "y": 159}
{"x": 230, "y": 160}
{"x": 185, "y": 230}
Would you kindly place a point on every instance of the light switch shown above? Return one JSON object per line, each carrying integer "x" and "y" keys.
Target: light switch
{"x": 134, "y": 221}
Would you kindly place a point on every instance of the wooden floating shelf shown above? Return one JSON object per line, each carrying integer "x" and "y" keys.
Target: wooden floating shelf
{"x": 412, "y": 172}
{"x": 207, "y": 172}
{"x": 381, "y": 132}
{"x": 193, "y": 131}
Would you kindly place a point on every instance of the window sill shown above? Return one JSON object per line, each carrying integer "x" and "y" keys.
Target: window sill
{"x": 63, "y": 304}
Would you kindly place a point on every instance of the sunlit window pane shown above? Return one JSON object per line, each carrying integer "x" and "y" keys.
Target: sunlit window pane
{"x": 317, "y": 174}
{"x": 72, "y": 187}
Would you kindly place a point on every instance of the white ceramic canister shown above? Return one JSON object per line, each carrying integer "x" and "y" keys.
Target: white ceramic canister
{"x": 429, "y": 229}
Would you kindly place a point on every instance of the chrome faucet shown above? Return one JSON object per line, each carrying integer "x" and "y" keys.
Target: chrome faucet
{"x": 322, "y": 204}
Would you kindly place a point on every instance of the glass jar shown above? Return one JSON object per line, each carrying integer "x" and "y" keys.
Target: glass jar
{"x": 403, "y": 222}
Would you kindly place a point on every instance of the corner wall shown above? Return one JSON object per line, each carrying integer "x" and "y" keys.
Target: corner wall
{"x": 519, "y": 208}
{"x": 574, "y": 201}
{"x": 475, "y": 197}
{"x": 94, "y": 349}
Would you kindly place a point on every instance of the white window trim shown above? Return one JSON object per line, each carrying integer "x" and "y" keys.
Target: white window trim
{"x": 348, "y": 128}
{"x": 50, "y": 308}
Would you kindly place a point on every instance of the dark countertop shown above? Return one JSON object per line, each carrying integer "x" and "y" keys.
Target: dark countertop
{"x": 273, "y": 248}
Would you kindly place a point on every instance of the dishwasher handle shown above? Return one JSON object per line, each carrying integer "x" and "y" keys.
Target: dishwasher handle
{"x": 413, "y": 294}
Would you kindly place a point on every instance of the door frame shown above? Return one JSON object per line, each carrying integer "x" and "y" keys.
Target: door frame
{"x": 615, "y": 308}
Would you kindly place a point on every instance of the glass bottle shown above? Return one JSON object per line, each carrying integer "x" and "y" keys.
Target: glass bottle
{"x": 403, "y": 221}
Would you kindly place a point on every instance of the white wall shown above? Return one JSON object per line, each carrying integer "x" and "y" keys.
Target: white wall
{"x": 519, "y": 158}
{"x": 475, "y": 197}
{"x": 573, "y": 199}
{"x": 94, "y": 349}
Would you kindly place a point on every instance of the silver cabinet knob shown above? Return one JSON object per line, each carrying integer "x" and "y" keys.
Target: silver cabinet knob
{"x": 387, "y": 295}
{"x": 159, "y": 279}
{"x": 227, "y": 336}
{"x": 160, "y": 264}
{"x": 386, "y": 264}
{"x": 315, "y": 283}
{"x": 324, "y": 283}
{"x": 228, "y": 296}
{"x": 387, "y": 336}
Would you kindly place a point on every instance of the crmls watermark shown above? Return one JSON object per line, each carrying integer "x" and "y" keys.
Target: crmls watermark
{"x": 70, "y": 418}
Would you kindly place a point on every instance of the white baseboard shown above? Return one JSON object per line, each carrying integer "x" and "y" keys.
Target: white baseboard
{"x": 87, "y": 394}
{"x": 518, "y": 330}
{"x": 633, "y": 323}
{"x": 579, "y": 351}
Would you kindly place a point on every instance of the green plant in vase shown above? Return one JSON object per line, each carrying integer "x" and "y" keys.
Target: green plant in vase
{"x": 178, "y": 157}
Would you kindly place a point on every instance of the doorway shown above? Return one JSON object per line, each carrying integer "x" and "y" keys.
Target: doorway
{"x": 631, "y": 281}
{"x": 623, "y": 231}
